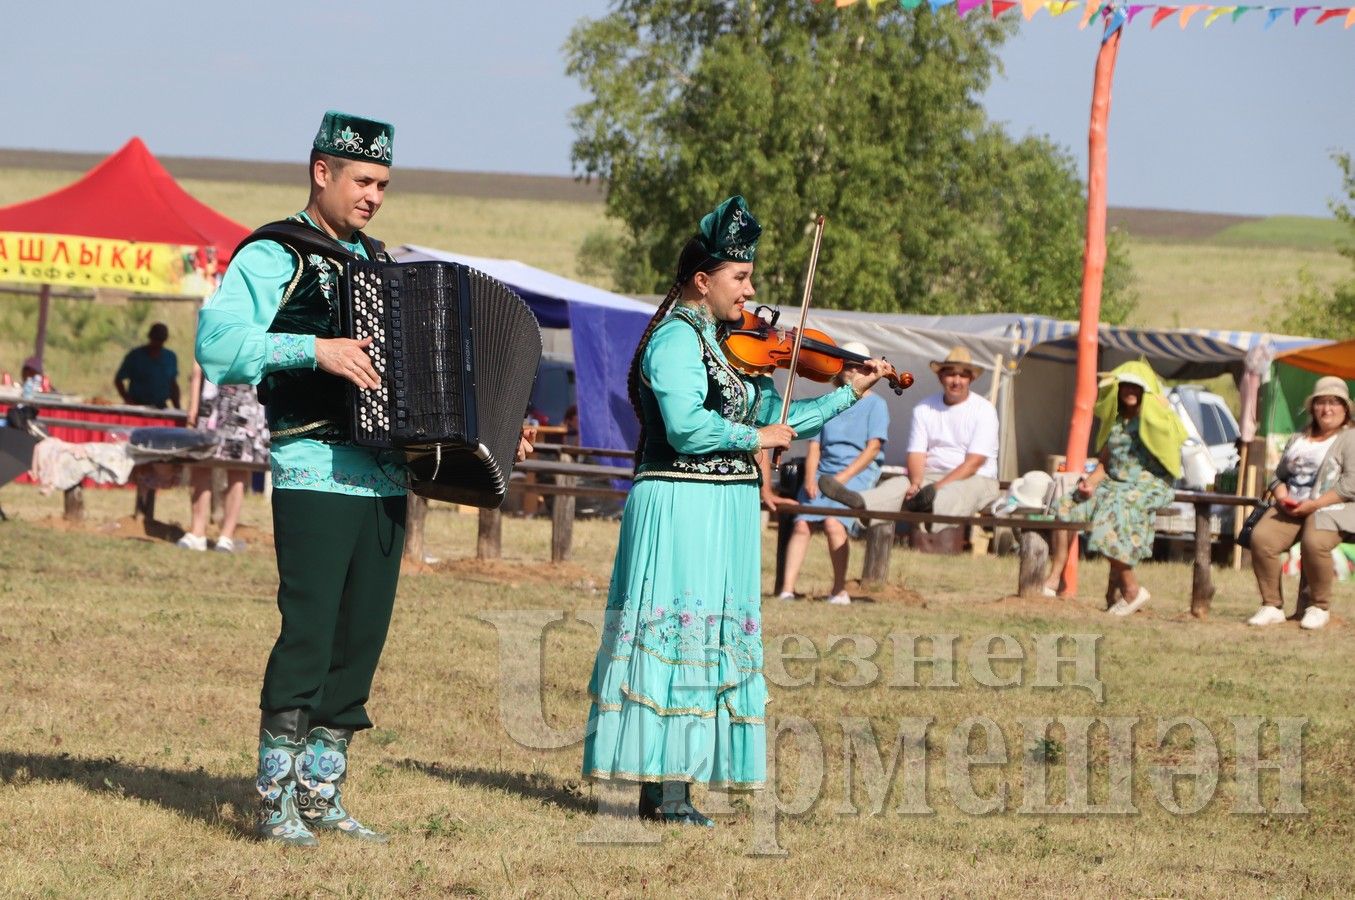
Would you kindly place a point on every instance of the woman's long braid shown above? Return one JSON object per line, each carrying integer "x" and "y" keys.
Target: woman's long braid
{"x": 693, "y": 258}
{"x": 633, "y": 378}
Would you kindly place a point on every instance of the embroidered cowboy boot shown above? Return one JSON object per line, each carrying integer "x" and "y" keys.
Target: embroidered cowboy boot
{"x": 279, "y": 747}
{"x": 321, "y": 772}
{"x": 671, "y": 802}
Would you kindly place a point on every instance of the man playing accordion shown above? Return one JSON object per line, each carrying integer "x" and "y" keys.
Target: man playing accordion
{"x": 338, "y": 508}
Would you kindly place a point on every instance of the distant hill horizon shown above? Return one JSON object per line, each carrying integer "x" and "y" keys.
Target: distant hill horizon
{"x": 1144, "y": 223}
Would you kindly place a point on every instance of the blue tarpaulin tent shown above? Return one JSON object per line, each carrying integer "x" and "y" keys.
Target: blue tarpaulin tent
{"x": 604, "y": 327}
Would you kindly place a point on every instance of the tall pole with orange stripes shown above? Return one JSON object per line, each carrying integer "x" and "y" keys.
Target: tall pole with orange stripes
{"x": 1093, "y": 267}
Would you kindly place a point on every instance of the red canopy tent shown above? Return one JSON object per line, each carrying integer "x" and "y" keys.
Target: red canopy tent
{"x": 126, "y": 224}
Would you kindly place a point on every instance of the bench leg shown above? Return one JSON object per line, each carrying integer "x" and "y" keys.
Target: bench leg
{"x": 1034, "y": 561}
{"x": 74, "y": 502}
{"x": 415, "y": 519}
{"x": 489, "y": 540}
{"x": 879, "y": 543}
{"x": 1202, "y": 580}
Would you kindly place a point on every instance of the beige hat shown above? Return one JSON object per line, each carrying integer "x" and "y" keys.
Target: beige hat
{"x": 1330, "y": 386}
{"x": 856, "y": 347}
{"x": 958, "y": 358}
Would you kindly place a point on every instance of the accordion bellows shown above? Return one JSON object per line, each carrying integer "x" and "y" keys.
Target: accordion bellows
{"x": 457, "y": 353}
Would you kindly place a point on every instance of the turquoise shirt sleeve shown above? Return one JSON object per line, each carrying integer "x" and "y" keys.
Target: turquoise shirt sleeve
{"x": 233, "y": 344}
{"x": 806, "y": 416}
{"x": 673, "y": 369}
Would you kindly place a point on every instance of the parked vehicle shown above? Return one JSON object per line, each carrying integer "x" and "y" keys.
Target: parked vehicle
{"x": 1209, "y": 422}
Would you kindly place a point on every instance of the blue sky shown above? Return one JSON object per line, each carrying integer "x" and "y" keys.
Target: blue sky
{"x": 1229, "y": 119}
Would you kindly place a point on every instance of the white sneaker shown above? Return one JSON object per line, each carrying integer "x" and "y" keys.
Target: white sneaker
{"x": 786, "y": 595}
{"x": 193, "y": 541}
{"x": 841, "y": 598}
{"x": 1126, "y": 608}
{"x": 1267, "y": 615}
{"x": 224, "y": 545}
{"x": 1049, "y": 591}
{"x": 1314, "y": 618}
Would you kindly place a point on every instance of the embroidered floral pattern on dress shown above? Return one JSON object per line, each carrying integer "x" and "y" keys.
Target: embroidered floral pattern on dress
{"x": 287, "y": 351}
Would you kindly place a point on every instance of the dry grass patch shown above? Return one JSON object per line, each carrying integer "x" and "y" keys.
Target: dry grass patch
{"x": 130, "y": 676}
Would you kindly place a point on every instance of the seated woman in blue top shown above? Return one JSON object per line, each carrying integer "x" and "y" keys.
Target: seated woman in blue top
{"x": 849, "y": 450}
{"x": 677, "y": 685}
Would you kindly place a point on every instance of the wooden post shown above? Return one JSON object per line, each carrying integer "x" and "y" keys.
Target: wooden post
{"x": 1202, "y": 581}
{"x": 144, "y": 507}
{"x": 879, "y": 544}
{"x": 489, "y": 543}
{"x": 75, "y": 504}
{"x": 414, "y": 521}
{"x": 562, "y": 517}
{"x": 1034, "y": 559}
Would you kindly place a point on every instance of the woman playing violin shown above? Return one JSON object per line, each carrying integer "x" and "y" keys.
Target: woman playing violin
{"x": 677, "y": 685}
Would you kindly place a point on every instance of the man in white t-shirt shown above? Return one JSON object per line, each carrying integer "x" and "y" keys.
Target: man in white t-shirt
{"x": 952, "y": 450}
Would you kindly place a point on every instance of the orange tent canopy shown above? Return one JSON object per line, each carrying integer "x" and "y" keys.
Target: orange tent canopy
{"x": 1329, "y": 359}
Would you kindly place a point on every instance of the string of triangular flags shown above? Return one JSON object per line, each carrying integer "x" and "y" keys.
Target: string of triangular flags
{"x": 1125, "y": 14}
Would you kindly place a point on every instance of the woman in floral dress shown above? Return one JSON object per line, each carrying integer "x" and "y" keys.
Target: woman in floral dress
{"x": 1139, "y": 442}
{"x": 677, "y": 685}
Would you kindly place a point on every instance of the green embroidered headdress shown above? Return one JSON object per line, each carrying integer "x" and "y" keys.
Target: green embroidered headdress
{"x": 730, "y": 232}
{"x": 353, "y": 137}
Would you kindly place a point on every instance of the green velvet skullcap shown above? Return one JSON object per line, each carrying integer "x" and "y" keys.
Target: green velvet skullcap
{"x": 730, "y": 232}
{"x": 353, "y": 137}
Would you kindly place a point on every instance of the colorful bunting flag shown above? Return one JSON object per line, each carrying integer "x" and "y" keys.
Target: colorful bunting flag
{"x": 1187, "y": 12}
{"x": 1117, "y": 15}
{"x": 1163, "y": 12}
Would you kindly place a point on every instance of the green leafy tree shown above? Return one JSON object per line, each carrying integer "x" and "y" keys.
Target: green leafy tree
{"x": 1315, "y": 310}
{"x": 870, "y": 118}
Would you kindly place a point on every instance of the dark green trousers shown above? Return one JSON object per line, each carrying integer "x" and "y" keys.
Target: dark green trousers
{"x": 338, "y": 564}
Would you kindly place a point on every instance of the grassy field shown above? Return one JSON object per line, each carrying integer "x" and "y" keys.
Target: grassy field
{"x": 1191, "y": 270}
{"x": 130, "y": 675}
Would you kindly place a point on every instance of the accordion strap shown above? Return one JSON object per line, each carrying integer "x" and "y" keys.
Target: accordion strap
{"x": 305, "y": 239}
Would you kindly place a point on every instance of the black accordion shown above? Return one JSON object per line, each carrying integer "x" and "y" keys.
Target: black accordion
{"x": 457, "y": 353}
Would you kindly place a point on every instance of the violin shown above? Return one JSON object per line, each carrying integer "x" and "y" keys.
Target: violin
{"x": 756, "y": 346}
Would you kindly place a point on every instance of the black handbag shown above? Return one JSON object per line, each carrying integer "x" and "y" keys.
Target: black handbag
{"x": 1244, "y": 536}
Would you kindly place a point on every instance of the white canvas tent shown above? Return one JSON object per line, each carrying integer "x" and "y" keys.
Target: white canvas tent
{"x": 1032, "y": 359}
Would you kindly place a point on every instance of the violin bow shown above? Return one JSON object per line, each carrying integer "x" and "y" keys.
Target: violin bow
{"x": 800, "y": 332}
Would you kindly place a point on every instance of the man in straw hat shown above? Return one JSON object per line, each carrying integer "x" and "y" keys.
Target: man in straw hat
{"x": 952, "y": 450}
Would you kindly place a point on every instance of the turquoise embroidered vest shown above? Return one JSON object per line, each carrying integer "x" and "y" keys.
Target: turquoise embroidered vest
{"x": 308, "y": 402}
{"x": 726, "y": 393}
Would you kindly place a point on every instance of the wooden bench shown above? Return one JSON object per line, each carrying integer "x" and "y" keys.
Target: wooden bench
{"x": 1034, "y": 550}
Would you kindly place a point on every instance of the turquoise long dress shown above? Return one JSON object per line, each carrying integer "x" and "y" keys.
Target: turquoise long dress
{"x": 677, "y": 685}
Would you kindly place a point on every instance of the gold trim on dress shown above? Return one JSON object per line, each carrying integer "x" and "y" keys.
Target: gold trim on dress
{"x": 309, "y": 426}
{"x": 600, "y": 775}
